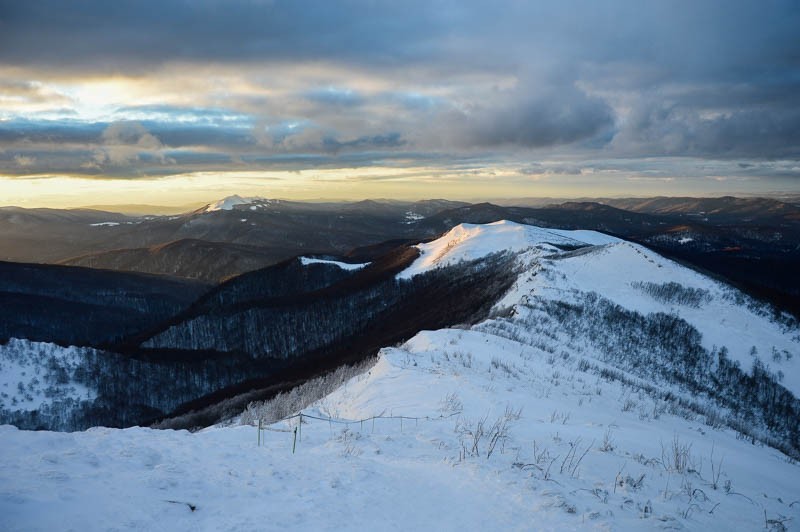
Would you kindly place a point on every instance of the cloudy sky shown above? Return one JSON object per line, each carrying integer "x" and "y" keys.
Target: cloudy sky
{"x": 173, "y": 102}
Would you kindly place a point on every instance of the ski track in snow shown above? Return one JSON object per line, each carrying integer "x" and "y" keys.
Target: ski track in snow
{"x": 417, "y": 476}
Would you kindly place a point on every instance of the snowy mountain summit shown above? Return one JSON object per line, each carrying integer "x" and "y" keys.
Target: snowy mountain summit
{"x": 235, "y": 201}
{"x": 610, "y": 388}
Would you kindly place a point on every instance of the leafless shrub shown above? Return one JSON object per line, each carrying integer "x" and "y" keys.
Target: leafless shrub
{"x": 608, "y": 443}
{"x": 349, "y": 438}
{"x": 451, "y": 404}
{"x": 572, "y": 460}
{"x": 716, "y": 469}
{"x": 628, "y": 405}
{"x": 471, "y": 434}
{"x": 562, "y": 417}
{"x": 677, "y": 457}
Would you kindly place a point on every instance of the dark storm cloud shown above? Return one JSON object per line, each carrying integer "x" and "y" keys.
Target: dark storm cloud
{"x": 25, "y": 131}
{"x": 128, "y": 34}
{"x": 730, "y": 40}
{"x": 680, "y": 79}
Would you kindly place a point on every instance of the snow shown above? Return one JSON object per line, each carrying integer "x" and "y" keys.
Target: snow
{"x": 685, "y": 240}
{"x": 614, "y": 269}
{"x": 611, "y": 267}
{"x": 26, "y": 381}
{"x": 472, "y": 241}
{"x": 305, "y": 261}
{"x": 104, "y": 224}
{"x": 410, "y": 476}
{"x": 584, "y": 453}
{"x": 412, "y": 217}
{"x": 228, "y": 203}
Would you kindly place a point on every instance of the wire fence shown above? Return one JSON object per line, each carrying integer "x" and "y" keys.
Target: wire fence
{"x": 301, "y": 416}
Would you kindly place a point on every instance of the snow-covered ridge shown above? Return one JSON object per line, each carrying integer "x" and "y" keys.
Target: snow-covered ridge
{"x": 527, "y": 420}
{"x": 343, "y": 265}
{"x": 473, "y": 241}
{"x": 621, "y": 272}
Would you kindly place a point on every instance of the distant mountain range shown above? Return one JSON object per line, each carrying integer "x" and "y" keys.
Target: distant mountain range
{"x": 754, "y": 242}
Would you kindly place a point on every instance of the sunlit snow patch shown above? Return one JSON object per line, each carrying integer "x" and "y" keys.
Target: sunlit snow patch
{"x": 305, "y": 261}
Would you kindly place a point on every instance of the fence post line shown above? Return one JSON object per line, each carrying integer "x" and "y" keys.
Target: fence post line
{"x": 294, "y": 442}
{"x": 301, "y": 426}
{"x": 259, "y": 432}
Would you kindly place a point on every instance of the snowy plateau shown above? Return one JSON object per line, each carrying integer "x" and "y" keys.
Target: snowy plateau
{"x": 609, "y": 389}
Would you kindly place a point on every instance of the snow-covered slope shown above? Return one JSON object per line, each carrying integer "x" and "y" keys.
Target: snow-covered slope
{"x": 572, "y": 408}
{"x": 471, "y": 241}
{"x": 628, "y": 274}
{"x": 34, "y": 376}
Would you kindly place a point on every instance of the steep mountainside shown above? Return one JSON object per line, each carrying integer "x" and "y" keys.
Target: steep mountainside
{"x": 608, "y": 388}
{"x": 190, "y": 258}
{"x": 82, "y": 306}
{"x": 248, "y": 338}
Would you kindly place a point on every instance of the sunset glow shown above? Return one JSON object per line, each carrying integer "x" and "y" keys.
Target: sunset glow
{"x": 362, "y": 100}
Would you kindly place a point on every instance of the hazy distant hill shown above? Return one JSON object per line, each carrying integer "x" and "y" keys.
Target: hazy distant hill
{"x": 754, "y": 242}
{"x": 190, "y": 258}
{"x": 726, "y": 209}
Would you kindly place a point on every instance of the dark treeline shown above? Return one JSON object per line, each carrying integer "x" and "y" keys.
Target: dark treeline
{"x": 289, "y": 278}
{"x": 79, "y": 306}
{"x": 673, "y": 292}
{"x": 265, "y": 345}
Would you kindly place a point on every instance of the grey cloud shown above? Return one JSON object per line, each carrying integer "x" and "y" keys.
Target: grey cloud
{"x": 125, "y": 143}
{"x": 734, "y": 40}
{"x": 529, "y": 121}
{"x": 132, "y": 35}
{"x": 24, "y": 161}
{"x": 663, "y": 128}
{"x": 681, "y": 79}
{"x": 551, "y": 169}
{"x": 335, "y": 96}
{"x": 30, "y": 93}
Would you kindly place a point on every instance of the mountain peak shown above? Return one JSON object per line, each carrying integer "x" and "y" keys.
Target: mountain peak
{"x": 229, "y": 202}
